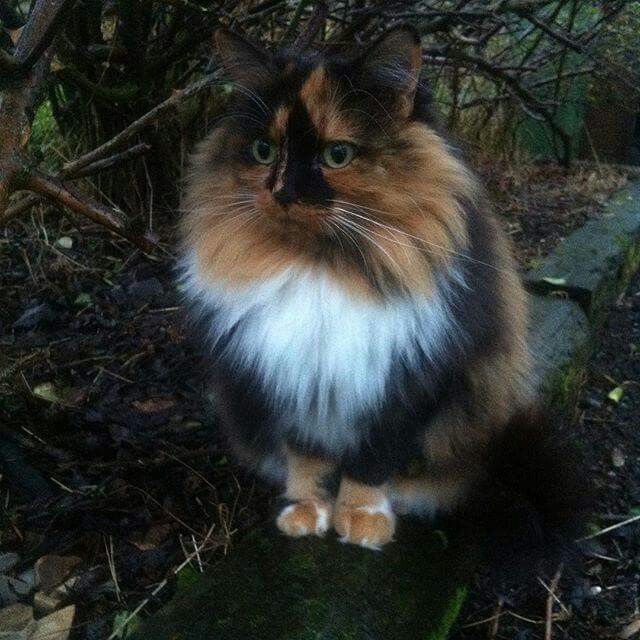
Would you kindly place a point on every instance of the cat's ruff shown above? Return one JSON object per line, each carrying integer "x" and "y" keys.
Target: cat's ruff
{"x": 324, "y": 356}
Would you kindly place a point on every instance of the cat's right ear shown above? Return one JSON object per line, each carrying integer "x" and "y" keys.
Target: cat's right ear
{"x": 244, "y": 61}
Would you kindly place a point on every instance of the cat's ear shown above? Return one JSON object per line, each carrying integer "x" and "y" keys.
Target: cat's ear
{"x": 392, "y": 65}
{"x": 244, "y": 61}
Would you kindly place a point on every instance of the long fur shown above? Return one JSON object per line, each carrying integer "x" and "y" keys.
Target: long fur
{"x": 535, "y": 501}
{"x": 373, "y": 315}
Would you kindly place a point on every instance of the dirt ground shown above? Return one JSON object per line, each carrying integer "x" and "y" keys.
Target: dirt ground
{"x": 601, "y": 598}
{"x": 115, "y": 462}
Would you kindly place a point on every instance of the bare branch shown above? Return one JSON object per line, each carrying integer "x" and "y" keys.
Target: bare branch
{"x": 135, "y": 127}
{"x": 44, "y": 21}
{"x": 64, "y": 195}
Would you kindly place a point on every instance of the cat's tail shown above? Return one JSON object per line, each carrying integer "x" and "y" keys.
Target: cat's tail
{"x": 537, "y": 499}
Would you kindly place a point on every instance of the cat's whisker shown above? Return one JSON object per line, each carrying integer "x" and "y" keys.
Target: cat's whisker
{"x": 355, "y": 243}
{"x": 222, "y": 212}
{"x": 242, "y": 218}
{"x": 243, "y": 116}
{"x": 392, "y": 230}
{"x": 385, "y": 237}
{"x": 254, "y": 97}
{"x": 453, "y": 252}
{"x": 365, "y": 233}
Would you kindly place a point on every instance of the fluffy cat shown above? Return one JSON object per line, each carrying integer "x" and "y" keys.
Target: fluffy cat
{"x": 358, "y": 298}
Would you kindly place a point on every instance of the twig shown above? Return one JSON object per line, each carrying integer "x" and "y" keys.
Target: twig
{"x": 118, "y": 631}
{"x": 495, "y": 621}
{"x": 62, "y": 193}
{"x": 624, "y": 523}
{"x": 548, "y": 627}
{"x": 111, "y": 161}
{"x": 146, "y": 120}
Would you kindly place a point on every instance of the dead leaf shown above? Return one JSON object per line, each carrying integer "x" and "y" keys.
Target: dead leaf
{"x": 154, "y": 405}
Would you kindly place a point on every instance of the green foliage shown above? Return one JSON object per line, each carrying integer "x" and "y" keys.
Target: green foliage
{"x": 46, "y": 141}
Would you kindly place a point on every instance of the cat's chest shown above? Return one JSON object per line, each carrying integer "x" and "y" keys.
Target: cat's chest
{"x": 322, "y": 354}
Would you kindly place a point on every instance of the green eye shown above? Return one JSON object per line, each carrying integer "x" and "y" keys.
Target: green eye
{"x": 263, "y": 151}
{"x": 338, "y": 154}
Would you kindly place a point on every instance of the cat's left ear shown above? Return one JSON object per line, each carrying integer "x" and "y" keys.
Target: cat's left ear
{"x": 392, "y": 65}
{"x": 244, "y": 61}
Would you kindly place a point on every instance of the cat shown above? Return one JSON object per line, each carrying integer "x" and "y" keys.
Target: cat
{"x": 364, "y": 314}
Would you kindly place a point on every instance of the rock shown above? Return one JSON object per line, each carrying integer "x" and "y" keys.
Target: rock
{"x": 8, "y": 561}
{"x": 16, "y": 622}
{"x": 12, "y": 590}
{"x": 56, "y": 626}
{"x": 590, "y": 259}
{"x": 64, "y": 242}
{"x": 34, "y": 317}
{"x": 277, "y": 588}
{"x": 52, "y": 570}
{"x": 146, "y": 289}
{"x": 559, "y": 339}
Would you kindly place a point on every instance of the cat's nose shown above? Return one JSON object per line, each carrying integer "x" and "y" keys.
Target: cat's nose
{"x": 284, "y": 196}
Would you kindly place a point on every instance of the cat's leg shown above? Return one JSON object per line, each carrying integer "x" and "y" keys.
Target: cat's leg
{"x": 363, "y": 514}
{"x": 310, "y": 508}
{"x": 426, "y": 495}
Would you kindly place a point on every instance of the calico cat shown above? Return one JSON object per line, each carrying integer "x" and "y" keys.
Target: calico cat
{"x": 358, "y": 298}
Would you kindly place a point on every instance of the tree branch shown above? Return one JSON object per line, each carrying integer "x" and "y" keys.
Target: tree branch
{"x": 146, "y": 120}
{"x": 64, "y": 195}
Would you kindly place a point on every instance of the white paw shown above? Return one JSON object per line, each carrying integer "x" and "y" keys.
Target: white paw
{"x": 370, "y": 526}
{"x": 308, "y": 517}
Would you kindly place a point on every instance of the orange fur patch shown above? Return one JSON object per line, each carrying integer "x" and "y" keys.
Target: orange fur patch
{"x": 404, "y": 220}
{"x": 362, "y": 515}
{"x": 310, "y": 517}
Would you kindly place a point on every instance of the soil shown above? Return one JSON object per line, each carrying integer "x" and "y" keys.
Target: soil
{"x": 101, "y": 409}
{"x": 600, "y": 598}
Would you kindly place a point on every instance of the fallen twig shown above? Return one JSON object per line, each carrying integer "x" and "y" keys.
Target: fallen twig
{"x": 611, "y": 528}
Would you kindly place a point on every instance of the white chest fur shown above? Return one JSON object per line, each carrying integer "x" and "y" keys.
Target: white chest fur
{"x": 323, "y": 356}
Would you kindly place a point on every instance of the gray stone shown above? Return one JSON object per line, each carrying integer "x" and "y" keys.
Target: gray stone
{"x": 8, "y": 561}
{"x": 590, "y": 259}
{"x": 56, "y": 626}
{"x": 559, "y": 336}
{"x": 16, "y": 622}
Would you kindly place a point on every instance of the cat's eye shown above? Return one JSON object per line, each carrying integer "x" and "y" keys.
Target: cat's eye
{"x": 338, "y": 154}
{"x": 264, "y": 151}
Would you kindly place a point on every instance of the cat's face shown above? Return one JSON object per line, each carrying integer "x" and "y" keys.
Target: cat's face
{"x": 326, "y": 162}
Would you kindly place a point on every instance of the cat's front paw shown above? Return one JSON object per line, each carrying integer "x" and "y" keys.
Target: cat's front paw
{"x": 305, "y": 518}
{"x": 370, "y": 526}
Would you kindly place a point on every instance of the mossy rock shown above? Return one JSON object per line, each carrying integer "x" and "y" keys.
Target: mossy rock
{"x": 593, "y": 262}
{"x": 560, "y": 339}
{"x": 274, "y": 588}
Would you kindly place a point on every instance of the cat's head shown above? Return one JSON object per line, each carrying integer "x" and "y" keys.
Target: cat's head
{"x": 326, "y": 161}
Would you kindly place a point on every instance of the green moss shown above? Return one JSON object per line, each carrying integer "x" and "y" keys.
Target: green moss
{"x": 273, "y": 588}
{"x": 450, "y": 615}
{"x": 563, "y": 386}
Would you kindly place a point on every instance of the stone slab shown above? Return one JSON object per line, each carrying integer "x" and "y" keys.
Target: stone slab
{"x": 589, "y": 259}
{"x": 560, "y": 335}
{"x": 275, "y": 588}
